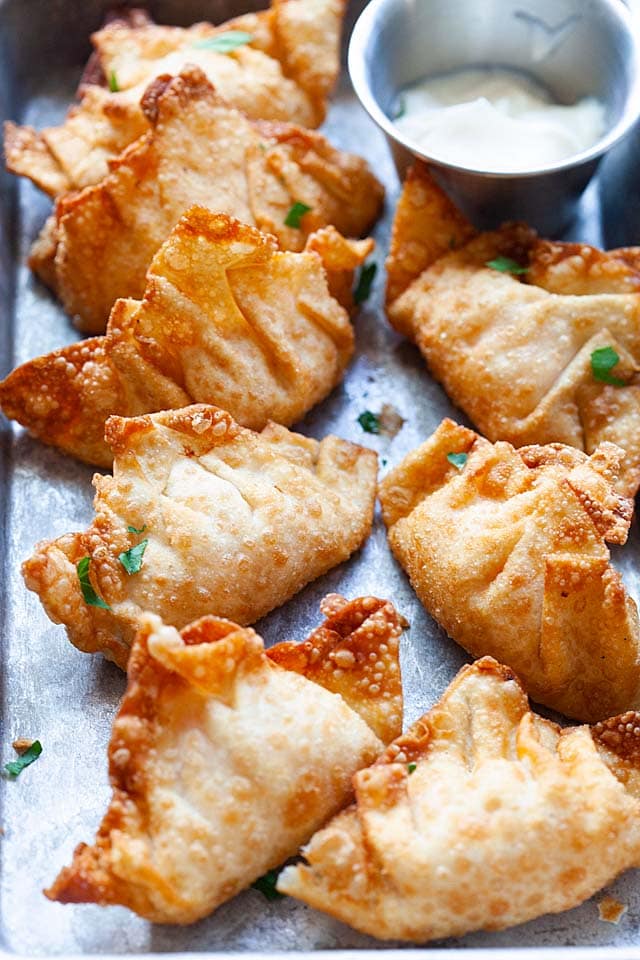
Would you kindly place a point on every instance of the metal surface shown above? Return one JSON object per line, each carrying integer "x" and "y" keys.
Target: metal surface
{"x": 67, "y": 699}
{"x": 575, "y": 48}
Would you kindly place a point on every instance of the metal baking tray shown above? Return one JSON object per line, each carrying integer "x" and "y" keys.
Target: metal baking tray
{"x": 67, "y": 699}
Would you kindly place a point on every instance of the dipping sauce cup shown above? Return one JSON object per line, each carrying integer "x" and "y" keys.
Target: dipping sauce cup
{"x": 574, "y": 48}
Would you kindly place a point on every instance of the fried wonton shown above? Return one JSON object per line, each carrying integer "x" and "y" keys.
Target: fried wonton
{"x": 216, "y": 519}
{"x": 482, "y": 816}
{"x": 226, "y": 319}
{"x": 224, "y": 760}
{"x": 201, "y": 152}
{"x": 544, "y": 347}
{"x": 507, "y": 550}
{"x": 285, "y": 72}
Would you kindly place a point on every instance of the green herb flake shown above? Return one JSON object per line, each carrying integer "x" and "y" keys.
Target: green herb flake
{"x": 113, "y": 82}
{"x": 365, "y": 282}
{"x": 411, "y": 767}
{"x": 267, "y": 885}
{"x": 132, "y": 529}
{"x": 369, "y": 422}
{"x": 131, "y": 559}
{"x": 452, "y": 242}
{"x": 603, "y": 361}
{"x": 506, "y": 265}
{"x": 89, "y": 595}
{"x": 401, "y": 108}
{"x": 295, "y": 215}
{"x": 457, "y": 459}
{"x": 15, "y": 768}
{"x": 225, "y": 42}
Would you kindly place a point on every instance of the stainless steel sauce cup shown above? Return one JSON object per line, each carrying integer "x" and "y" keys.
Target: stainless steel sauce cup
{"x": 575, "y": 48}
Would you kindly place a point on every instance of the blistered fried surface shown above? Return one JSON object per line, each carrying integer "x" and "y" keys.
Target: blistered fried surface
{"x": 285, "y": 73}
{"x": 236, "y": 523}
{"x": 355, "y": 654}
{"x": 576, "y": 269}
{"x": 509, "y": 555}
{"x": 503, "y": 817}
{"x": 222, "y": 764}
{"x": 514, "y": 350}
{"x": 225, "y": 318}
{"x": 199, "y": 151}
{"x": 426, "y": 226}
{"x": 26, "y": 153}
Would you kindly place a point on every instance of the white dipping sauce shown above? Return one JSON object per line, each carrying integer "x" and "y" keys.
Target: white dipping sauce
{"x": 496, "y": 120}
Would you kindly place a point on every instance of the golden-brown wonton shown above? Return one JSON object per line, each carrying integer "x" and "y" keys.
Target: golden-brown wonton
{"x": 514, "y": 351}
{"x": 224, "y": 760}
{"x": 199, "y": 151}
{"x": 235, "y": 523}
{"x": 225, "y": 319}
{"x": 286, "y": 72}
{"x": 482, "y": 816}
{"x": 509, "y": 555}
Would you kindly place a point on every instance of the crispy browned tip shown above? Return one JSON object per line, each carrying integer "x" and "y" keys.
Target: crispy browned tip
{"x": 190, "y": 84}
{"x": 205, "y": 426}
{"x": 63, "y": 398}
{"x": 427, "y": 225}
{"x": 27, "y": 155}
{"x": 621, "y": 735}
{"x": 80, "y": 882}
{"x": 354, "y": 653}
{"x": 423, "y": 470}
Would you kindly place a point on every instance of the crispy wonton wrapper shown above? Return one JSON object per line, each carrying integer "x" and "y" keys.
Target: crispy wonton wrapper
{"x": 225, "y": 758}
{"x": 482, "y": 816}
{"x": 514, "y": 350}
{"x": 285, "y": 73}
{"x": 225, "y": 319}
{"x": 234, "y": 524}
{"x": 201, "y": 152}
{"x": 509, "y": 555}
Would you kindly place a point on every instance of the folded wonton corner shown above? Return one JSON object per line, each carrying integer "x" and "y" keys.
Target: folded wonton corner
{"x": 286, "y": 72}
{"x": 199, "y": 151}
{"x": 233, "y": 523}
{"x": 482, "y": 816}
{"x": 520, "y": 352}
{"x": 507, "y": 551}
{"x": 225, "y": 758}
{"x": 225, "y": 319}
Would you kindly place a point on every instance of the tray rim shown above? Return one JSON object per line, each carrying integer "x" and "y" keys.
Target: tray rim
{"x": 394, "y": 953}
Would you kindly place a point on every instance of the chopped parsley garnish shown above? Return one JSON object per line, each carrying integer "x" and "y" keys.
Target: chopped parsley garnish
{"x": 132, "y": 529}
{"x": 131, "y": 559}
{"x": 603, "y": 360}
{"x": 225, "y": 42}
{"x": 452, "y": 242}
{"x": 365, "y": 282}
{"x": 506, "y": 265}
{"x": 411, "y": 767}
{"x": 401, "y": 108}
{"x": 113, "y": 82}
{"x": 89, "y": 595}
{"x": 15, "y": 768}
{"x": 295, "y": 215}
{"x": 457, "y": 459}
{"x": 267, "y": 885}
{"x": 369, "y": 422}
